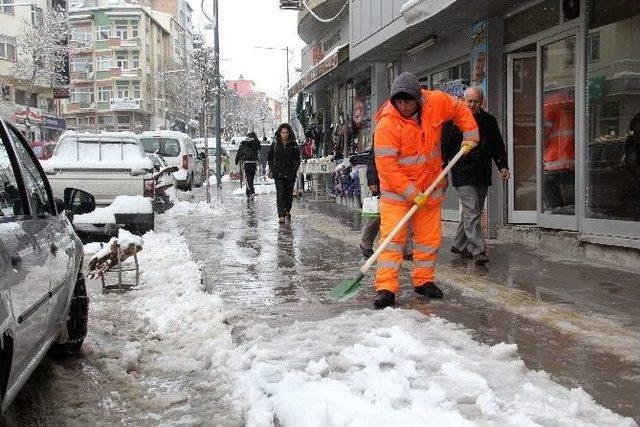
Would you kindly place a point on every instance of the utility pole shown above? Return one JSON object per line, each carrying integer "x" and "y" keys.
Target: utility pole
{"x": 216, "y": 50}
{"x": 287, "y": 90}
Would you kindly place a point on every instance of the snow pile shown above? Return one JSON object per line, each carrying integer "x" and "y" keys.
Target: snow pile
{"x": 396, "y": 367}
{"x": 214, "y": 180}
{"x": 120, "y": 205}
{"x": 155, "y": 342}
{"x": 260, "y": 189}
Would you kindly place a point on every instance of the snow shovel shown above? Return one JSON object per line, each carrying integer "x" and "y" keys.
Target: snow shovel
{"x": 350, "y": 288}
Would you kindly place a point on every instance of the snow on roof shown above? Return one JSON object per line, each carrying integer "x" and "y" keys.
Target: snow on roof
{"x": 156, "y": 133}
{"x": 101, "y": 135}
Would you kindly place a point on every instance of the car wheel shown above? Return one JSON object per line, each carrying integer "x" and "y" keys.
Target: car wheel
{"x": 70, "y": 341}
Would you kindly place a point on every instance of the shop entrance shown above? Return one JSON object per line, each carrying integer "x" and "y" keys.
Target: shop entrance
{"x": 521, "y": 136}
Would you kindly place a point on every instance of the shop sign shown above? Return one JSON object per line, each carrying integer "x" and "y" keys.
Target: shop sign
{"x": 314, "y": 74}
{"x": 125, "y": 104}
{"x": 54, "y": 122}
{"x": 479, "y": 56}
{"x": 21, "y": 114}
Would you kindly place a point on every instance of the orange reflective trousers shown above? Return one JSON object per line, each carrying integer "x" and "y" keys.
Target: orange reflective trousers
{"x": 427, "y": 237}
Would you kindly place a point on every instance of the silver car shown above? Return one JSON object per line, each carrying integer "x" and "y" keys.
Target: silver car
{"x": 43, "y": 302}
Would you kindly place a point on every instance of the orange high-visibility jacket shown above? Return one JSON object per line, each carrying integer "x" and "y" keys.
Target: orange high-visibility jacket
{"x": 408, "y": 154}
{"x": 559, "y": 131}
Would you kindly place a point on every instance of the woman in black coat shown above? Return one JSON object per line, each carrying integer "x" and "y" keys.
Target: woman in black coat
{"x": 284, "y": 160}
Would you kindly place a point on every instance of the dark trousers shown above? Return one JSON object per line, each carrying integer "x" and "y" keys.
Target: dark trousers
{"x": 284, "y": 195}
{"x": 250, "y": 174}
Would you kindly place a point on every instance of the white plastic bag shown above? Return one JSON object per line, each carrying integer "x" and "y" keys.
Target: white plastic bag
{"x": 371, "y": 207}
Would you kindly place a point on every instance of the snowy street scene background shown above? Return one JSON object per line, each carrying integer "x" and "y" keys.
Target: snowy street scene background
{"x": 231, "y": 326}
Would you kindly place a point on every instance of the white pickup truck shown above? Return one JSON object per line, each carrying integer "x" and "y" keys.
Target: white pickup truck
{"x": 107, "y": 165}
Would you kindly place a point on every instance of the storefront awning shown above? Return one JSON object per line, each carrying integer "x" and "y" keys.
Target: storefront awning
{"x": 415, "y": 11}
{"x": 328, "y": 63}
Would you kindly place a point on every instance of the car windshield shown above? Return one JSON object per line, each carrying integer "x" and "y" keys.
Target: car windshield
{"x": 166, "y": 147}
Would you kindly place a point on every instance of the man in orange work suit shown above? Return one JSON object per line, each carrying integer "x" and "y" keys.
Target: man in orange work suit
{"x": 407, "y": 150}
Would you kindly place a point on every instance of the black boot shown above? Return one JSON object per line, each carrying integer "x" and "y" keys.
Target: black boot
{"x": 481, "y": 259}
{"x": 384, "y": 299}
{"x": 463, "y": 253}
{"x": 430, "y": 290}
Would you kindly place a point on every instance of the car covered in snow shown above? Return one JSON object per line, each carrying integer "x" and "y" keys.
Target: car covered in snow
{"x": 179, "y": 150}
{"x": 107, "y": 165}
{"x": 43, "y": 302}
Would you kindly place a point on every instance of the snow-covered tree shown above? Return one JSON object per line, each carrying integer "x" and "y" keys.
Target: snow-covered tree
{"x": 43, "y": 51}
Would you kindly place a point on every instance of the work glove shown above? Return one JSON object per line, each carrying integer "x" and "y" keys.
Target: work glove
{"x": 420, "y": 200}
{"x": 468, "y": 146}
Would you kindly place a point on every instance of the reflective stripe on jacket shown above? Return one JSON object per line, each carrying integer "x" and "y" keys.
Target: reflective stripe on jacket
{"x": 408, "y": 153}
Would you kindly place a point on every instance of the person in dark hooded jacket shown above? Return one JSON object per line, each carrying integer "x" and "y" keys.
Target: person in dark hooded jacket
{"x": 284, "y": 160}
{"x": 248, "y": 154}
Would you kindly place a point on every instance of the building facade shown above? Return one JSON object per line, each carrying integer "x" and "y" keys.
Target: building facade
{"x": 41, "y": 121}
{"x": 117, "y": 52}
{"x": 563, "y": 79}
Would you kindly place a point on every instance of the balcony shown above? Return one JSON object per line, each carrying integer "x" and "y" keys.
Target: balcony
{"x": 81, "y": 76}
{"x": 124, "y": 44}
{"x": 309, "y": 28}
{"x": 122, "y": 74}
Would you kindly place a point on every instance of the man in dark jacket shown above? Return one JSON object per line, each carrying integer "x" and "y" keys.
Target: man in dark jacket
{"x": 371, "y": 226}
{"x": 248, "y": 153}
{"x": 471, "y": 176}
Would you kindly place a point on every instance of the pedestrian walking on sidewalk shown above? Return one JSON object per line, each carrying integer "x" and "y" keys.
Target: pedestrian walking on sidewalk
{"x": 408, "y": 158}
{"x": 471, "y": 176}
{"x": 284, "y": 160}
{"x": 248, "y": 153}
{"x": 371, "y": 226}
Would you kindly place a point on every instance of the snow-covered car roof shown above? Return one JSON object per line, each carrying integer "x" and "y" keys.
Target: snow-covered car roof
{"x": 102, "y": 135}
{"x": 163, "y": 133}
{"x": 105, "y": 150}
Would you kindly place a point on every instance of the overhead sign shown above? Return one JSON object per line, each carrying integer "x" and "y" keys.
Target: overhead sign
{"x": 125, "y": 104}
{"x": 54, "y": 122}
{"x": 330, "y": 62}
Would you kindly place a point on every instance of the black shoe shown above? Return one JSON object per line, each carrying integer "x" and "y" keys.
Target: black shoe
{"x": 481, "y": 259}
{"x": 384, "y": 299}
{"x": 366, "y": 252}
{"x": 463, "y": 253}
{"x": 408, "y": 257}
{"x": 430, "y": 290}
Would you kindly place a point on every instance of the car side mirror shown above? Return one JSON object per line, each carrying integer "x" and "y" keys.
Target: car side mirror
{"x": 78, "y": 202}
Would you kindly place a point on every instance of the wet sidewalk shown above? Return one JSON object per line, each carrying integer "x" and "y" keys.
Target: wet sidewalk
{"x": 575, "y": 320}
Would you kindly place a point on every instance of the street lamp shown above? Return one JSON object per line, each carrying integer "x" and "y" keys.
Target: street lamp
{"x": 287, "y": 50}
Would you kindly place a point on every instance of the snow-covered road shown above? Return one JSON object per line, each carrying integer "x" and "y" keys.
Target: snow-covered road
{"x": 229, "y": 326}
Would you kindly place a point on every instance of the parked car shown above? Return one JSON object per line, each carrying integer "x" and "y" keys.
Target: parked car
{"x": 211, "y": 154}
{"x": 43, "y": 150}
{"x": 180, "y": 151}
{"x": 43, "y": 301}
{"x": 107, "y": 165}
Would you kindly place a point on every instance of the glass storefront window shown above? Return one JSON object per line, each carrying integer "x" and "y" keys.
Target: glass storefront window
{"x": 558, "y": 127}
{"x": 537, "y": 18}
{"x": 613, "y": 111}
